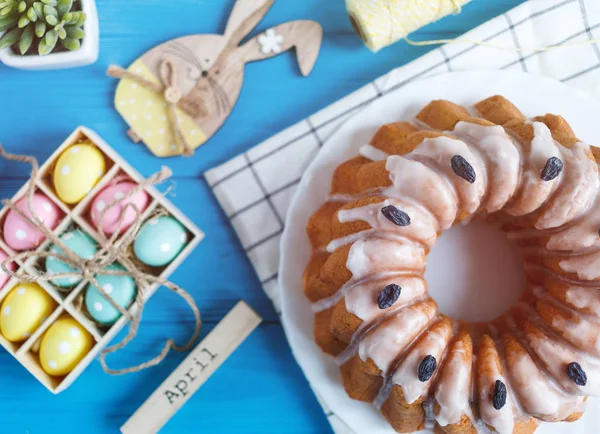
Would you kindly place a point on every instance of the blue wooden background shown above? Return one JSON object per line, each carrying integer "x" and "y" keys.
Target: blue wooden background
{"x": 260, "y": 389}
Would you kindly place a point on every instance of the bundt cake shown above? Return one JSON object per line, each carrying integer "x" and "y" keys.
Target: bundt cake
{"x": 537, "y": 362}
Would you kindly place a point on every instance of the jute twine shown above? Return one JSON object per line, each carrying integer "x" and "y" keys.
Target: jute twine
{"x": 381, "y": 23}
{"x": 112, "y": 249}
{"x": 171, "y": 93}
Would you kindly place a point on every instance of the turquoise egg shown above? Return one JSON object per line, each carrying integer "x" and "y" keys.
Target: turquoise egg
{"x": 120, "y": 288}
{"x": 80, "y": 244}
{"x": 159, "y": 241}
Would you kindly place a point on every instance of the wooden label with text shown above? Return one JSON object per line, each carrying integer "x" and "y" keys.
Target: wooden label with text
{"x": 202, "y": 362}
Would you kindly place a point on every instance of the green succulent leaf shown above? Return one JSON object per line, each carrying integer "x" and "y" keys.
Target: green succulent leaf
{"x": 26, "y": 40}
{"x": 32, "y": 15}
{"x": 50, "y": 11}
{"x": 22, "y": 7}
{"x": 68, "y": 18}
{"x": 40, "y": 29}
{"x": 5, "y": 11}
{"x": 61, "y": 32}
{"x": 23, "y": 21}
{"x": 50, "y": 2}
{"x": 38, "y": 7}
{"x": 51, "y": 37}
{"x": 75, "y": 32}
{"x": 48, "y": 43}
{"x": 82, "y": 18}
{"x": 9, "y": 39}
{"x": 64, "y": 6}
{"x": 52, "y": 20}
{"x": 7, "y": 22}
{"x": 71, "y": 44}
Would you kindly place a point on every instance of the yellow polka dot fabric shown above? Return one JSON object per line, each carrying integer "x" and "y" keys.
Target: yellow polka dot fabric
{"x": 146, "y": 113}
{"x": 384, "y": 22}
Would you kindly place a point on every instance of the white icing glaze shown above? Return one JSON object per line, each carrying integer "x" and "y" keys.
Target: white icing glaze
{"x": 453, "y": 392}
{"x": 361, "y": 300}
{"x": 580, "y": 331}
{"x": 421, "y": 228}
{"x": 439, "y": 151}
{"x": 585, "y": 298}
{"x": 329, "y": 302}
{"x": 384, "y": 344}
{"x": 555, "y": 356}
{"x": 433, "y": 342}
{"x": 537, "y": 395}
{"x": 534, "y": 191}
{"x": 372, "y": 153}
{"x": 577, "y": 190}
{"x": 579, "y": 236}
{"x": 502, "y": 157}
{"x": 585, "y": 266}
{"x": 370, "y": 233}
{"x": 368, "y": 256}
{"x": 489, "y": 371}
{"x": 417, "y": 181}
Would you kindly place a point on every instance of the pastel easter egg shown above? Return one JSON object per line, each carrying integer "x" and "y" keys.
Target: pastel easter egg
{"x": 159, "y": 241}
{"x": 77, "y": 171}
{"x": 63, "y": 346}
{"x": 11, "y": 266}
{"x": 23, "y": 310}
{"x": 79, "y": 243}
{"x": 110, "y": 220}
{"x": 19, "y": 234}
{"x": 120, "y": 288}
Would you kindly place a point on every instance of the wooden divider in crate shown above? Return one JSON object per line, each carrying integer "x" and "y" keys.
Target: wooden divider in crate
{"x": 78, "y": 216}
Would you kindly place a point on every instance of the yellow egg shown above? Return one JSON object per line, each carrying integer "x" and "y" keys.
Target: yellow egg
{"x": 63, "y": 346}
{"x": 23, "y": 310}
{"x": 77, "y": 171}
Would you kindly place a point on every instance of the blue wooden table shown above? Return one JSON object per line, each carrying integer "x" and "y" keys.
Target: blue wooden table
{"x": 260, "y": 389}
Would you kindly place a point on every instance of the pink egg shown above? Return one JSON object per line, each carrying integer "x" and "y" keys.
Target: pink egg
{"x": 110, "y": 221}
{"x": 3, "y": 276}
{"x": 19, "y": 234}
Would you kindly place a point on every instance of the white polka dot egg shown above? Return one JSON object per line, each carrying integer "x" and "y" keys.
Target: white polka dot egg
{"x": 23, "y": 310}
{"x": 159, "y": 241}
{"x": 63, "y": 346}
{"x": 120, "y": 288}
{"x": 79, "y": 243}
{"x": 112, "y": 216}
{"x": 19, "y": 234}
{"x": 77, "y": 171}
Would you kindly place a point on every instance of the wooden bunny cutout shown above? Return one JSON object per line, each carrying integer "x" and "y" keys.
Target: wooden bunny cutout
{"x": 178, "y": 94}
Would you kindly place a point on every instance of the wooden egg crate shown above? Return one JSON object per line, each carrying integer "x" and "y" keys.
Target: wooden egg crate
{"x": 70, "y": 302}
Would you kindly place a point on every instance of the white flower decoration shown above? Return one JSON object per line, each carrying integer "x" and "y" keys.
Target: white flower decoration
{"x": 270, "y": 42}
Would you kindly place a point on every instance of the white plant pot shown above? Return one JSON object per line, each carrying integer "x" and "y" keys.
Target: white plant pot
{"x": 86, "y": 55}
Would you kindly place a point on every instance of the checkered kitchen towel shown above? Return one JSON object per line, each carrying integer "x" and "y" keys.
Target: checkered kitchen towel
{"x": 255, "y": 188}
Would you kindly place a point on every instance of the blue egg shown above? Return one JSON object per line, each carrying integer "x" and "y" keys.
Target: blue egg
{"x": 120, "y": 288}
{"x": 80, "y": 244}
{"x": 159, "y": 241}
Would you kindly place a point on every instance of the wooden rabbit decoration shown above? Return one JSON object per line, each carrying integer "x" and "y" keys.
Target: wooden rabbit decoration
{"x": 178, "y": 94}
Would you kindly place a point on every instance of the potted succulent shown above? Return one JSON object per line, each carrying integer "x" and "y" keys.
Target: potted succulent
{"x": 48, "y": 34}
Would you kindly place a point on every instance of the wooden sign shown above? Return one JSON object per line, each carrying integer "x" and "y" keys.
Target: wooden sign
{"x": 193, "y": 372}
{"x": 175, "y": 110}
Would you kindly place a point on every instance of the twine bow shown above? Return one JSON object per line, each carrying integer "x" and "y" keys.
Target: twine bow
{"x": 112, "y": 250}
{"x": 170, "y": 92}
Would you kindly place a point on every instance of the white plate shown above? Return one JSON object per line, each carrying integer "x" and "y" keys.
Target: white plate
{"x": 533, "y": 95}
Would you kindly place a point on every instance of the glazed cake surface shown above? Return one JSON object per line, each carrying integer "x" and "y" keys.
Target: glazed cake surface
{"x": 537, "y": 362}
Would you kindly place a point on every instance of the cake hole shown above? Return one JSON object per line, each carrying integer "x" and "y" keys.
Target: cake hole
{"x": 474, "y": 272}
